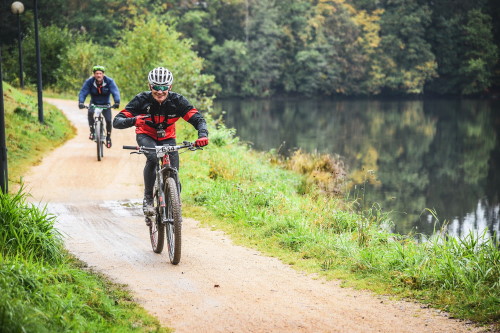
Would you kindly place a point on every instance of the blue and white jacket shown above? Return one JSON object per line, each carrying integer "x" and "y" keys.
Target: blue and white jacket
{"x": 99, "y": 94}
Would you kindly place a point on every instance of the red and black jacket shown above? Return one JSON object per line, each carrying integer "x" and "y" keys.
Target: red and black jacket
{"x": 174, "y": 107}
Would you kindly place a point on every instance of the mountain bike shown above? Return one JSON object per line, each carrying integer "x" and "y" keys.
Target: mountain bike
{"x": 99, "y": 136}
{"x": 166, "y": 201}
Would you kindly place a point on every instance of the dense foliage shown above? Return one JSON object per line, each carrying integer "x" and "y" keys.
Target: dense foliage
{"x": 263, "y": 48}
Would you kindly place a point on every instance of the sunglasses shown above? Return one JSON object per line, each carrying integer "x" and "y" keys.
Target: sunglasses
{"x": 158, "y": 88}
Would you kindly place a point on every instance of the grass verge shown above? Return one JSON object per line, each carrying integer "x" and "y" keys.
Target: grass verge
{"x": 27, "y": 139}
{"x": 264, "y": 205}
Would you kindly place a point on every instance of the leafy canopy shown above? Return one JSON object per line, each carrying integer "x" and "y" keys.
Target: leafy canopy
{"x": 152, "y": 43}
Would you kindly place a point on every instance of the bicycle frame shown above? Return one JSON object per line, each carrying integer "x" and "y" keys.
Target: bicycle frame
{"x": 98, "y": 113}
{"x": 164, "y": 171}
{"x": 99, "y": 137}
{"x": 166, "y": 196}
{"x": 98, "y": 109}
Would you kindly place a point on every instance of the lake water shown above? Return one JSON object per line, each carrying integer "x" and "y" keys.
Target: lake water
{"x": 406, "y": 156}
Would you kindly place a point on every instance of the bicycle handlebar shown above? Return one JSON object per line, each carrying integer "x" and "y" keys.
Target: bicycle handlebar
{"x": 163, "y": 149}
{"x": 104, "y": 106}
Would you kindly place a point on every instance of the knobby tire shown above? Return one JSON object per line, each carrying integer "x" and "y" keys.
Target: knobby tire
{"x": 98, "y": 139}
{"x": 174, "y": 221}
{"x": 157, "y": 228}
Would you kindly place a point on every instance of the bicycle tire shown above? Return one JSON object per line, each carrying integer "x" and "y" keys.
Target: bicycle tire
{"x": 174, "y": 221}
{"x": 157, "y": 227}
{"x": 102, "y": 139}
{"x": 98, "y": 138}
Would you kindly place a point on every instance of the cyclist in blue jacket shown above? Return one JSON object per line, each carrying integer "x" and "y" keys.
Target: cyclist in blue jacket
{"x": 100, "y": 87}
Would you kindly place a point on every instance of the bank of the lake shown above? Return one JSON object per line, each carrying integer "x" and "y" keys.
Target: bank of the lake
{"x": 266, "y": 206}
{"x": 404, "y": 155}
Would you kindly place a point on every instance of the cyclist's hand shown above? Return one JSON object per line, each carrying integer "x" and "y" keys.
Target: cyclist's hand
{"x": 201, "y": 142}
{"x": 140, "y": 121}
{"x": 81, "y": 105}
{"x": 116, "y": 106}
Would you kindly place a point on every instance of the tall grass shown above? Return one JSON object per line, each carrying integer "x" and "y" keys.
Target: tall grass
{"x": 65, "y": 298}
{"x": 42, "y": 289}
{"x": 244, "y": 193}
{"x": 27, "y": 232}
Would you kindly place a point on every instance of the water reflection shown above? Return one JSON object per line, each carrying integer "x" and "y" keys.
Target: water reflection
{"x": 407, "y": 156}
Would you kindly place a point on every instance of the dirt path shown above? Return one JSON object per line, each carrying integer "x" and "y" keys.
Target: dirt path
{"x": 218, "y": 286}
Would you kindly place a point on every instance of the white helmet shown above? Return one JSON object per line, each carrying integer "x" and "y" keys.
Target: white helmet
{"x": 160, "y": 76}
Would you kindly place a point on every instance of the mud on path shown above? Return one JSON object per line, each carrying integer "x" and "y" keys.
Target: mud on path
{"x": 218, "y": 286}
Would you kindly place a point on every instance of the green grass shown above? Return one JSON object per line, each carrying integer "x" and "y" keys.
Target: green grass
{"x": 264, "y": 205}
{"x": 27, "y": 233}
{"x": 44, "y": 289}
{"x": 27, "y": 139}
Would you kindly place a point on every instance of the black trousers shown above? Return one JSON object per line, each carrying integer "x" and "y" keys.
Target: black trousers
{"x": 107, "y": 116}
{"x": 151, "y": 160}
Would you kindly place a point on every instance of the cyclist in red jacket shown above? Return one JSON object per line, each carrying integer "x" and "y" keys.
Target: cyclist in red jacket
{"x": 154, "y": 114}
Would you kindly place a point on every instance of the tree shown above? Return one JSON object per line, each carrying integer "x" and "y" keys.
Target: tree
{"x": 264, "y": 35}
{"x": 407, "y": 57}
{"x": 293, "y": 19}
{"x": 195, "y": 25}
{"x": 76, "y": 66}
{"x": 339, "y": 55}
{"x": 329, "y": 30}
{"x": 481, "y": 55}
{"x": 54, "y": 46}
{"x": 230, "y": 63}
{"x": 151, "y": 44}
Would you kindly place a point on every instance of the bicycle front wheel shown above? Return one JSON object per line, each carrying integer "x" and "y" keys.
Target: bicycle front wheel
{"x": 174, "y": 221}
{"x": 98, "y": 139}
{"x": 156, "y": 226}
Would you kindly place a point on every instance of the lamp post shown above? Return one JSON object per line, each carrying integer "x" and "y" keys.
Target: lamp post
{"x": 4, "y": 179}
{"x": 17, "y": 8}
{"x": 38, "y": 65}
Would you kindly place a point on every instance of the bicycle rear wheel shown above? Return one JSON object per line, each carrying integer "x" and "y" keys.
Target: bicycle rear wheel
{"x": 157, "y": 227}
{"x": 98, "y": 139}
{"x": 174, "y": 221}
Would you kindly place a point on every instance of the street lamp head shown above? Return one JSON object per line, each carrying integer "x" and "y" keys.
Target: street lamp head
{"x": 17, "y": 7}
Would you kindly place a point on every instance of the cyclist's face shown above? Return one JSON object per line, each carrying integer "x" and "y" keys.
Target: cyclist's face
{"x": 98, "y": 75}
{"x": 159, "y": 95}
